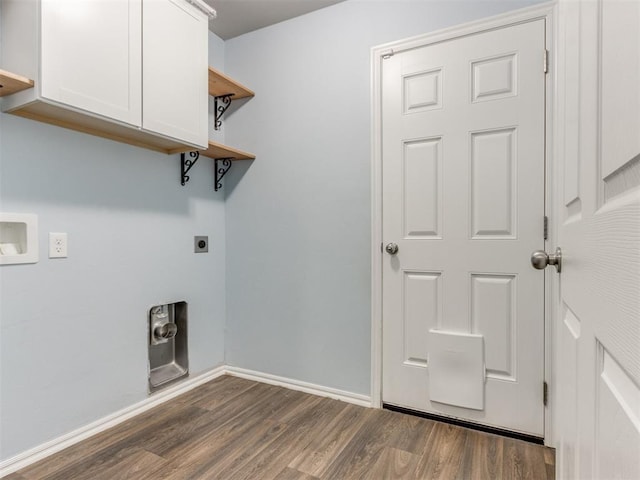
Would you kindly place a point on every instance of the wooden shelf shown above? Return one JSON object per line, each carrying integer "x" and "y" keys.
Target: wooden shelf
{"x": 222, "y": 155}
{"x": 224, "y": 90}
{"x": 217, "y": 150}
{"x": 12, "y": 83}
{"x": 80, "y": 122}
{"x": 220, "y": 84}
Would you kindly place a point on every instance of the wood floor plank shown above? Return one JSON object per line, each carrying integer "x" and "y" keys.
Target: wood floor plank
{"x": 361, "y": 453}
{"x": 394, "y": 464}
{"x": 14, "y": 476}
{"x": 212, "y": 463}
{"x": 316, "y": 457}
{"x": 487, "y": 455}
{"x": 256, "y": 403}
{"x": 204, "y": 454}
{"x": 442, "y": 452}
{"x": 307, "y": 405}
{"x": 139, "y": 462}
{"x": 71, "y": 457}
{"x": 299, "y": 432}
{"x": 213, "y": 394}
{"x": 173, "y": 435}
{"x": 213, "y": 453}
{"x": 293, "y": 474}
{"x": 550, "y": 463}
{"x": 481, "y": 457}
{"x": 523, "y": 462}
{"x": 103, "y": 458}
{"x": 251, "y": 448}
{"x": 150, "y": 423}
{"x": 411, "y": 433}
{"x": 236, "y": 429}
{"x": 99, "y": 465}
{"x": 207, "y": 455}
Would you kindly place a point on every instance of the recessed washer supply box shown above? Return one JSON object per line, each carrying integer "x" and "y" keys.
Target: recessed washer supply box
{"x": 168, "y": 346}
{"x": 18, "y": 238}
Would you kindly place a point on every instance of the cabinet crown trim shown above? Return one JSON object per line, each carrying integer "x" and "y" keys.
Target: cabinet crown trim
{"x": 204, "y": 8}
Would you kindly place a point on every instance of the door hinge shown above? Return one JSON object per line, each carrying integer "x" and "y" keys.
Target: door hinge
{"x": 545, "y": 393}
{"x": 546, "y": 227}
{"x": 546, "y": 61}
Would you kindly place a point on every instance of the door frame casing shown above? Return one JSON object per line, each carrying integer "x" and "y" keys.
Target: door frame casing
{"x": 546, "y": 11}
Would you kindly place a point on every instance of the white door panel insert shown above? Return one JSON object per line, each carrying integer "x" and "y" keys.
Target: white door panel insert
{"x": 422, "y": 203}
{"x": 423, "y": 307}
{"x": 493, "y": 313}
{"x": 495, "y": 78}
{"x": 423, "y": 91}
{"x": 493, "y": 183}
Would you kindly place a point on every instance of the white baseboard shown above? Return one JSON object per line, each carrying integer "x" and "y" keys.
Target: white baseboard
{"x": 42, "y": 451}
{"x": 349, "y": 397}
{"x": 33, "y": 455}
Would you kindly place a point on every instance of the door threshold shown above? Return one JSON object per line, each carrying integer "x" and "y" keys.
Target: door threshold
{"x": 462, "y": 423}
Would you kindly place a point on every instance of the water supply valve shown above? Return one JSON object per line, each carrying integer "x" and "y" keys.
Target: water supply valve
{"x": 165, "y": 331}
{"x": 162, "y": 328}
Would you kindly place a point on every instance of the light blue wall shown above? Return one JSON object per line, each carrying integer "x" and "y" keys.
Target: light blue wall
{"x": 298, "y": 218}
{"x": 73, "y": 338}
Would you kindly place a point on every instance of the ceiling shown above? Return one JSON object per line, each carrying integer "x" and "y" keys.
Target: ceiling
{"x": 236, "y": 17}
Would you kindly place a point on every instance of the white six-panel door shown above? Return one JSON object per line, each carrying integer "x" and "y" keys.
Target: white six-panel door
{"x": 597, "y": 391}
{"x": 463, "y": 175}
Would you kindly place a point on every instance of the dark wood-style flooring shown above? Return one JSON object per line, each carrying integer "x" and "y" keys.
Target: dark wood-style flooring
{"x": 233, "y": 429}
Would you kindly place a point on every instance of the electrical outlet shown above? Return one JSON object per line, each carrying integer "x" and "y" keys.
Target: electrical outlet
{"x": 57, "y": 245}
{"x": 201, "y": 244}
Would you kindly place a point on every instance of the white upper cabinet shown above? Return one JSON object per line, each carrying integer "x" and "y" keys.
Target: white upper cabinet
{"x": 92, "y": 56}
{"x": 134, "y": 71}
{"x": 175, "y": 73}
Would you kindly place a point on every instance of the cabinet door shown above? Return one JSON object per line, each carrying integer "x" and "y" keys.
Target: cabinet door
{"x": 175, "y": 51}
{"x": 91, "y": 56}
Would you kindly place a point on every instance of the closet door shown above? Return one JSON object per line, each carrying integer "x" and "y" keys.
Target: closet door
{"x": 91, "y": 56}
{"x": 175, "y": 61}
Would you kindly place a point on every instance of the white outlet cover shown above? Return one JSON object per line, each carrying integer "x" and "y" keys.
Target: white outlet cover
{"x": 57, "y": 245}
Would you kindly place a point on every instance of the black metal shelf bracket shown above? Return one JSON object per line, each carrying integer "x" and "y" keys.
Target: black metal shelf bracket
{"x": 186, "y": 164}
{"x": 221, "y": 103}
{"x": 222, "y": 167}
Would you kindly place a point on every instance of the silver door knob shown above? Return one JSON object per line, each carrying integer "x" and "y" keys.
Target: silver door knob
{"x": 391, "y": 248}
{"x": 540, "y": 259}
